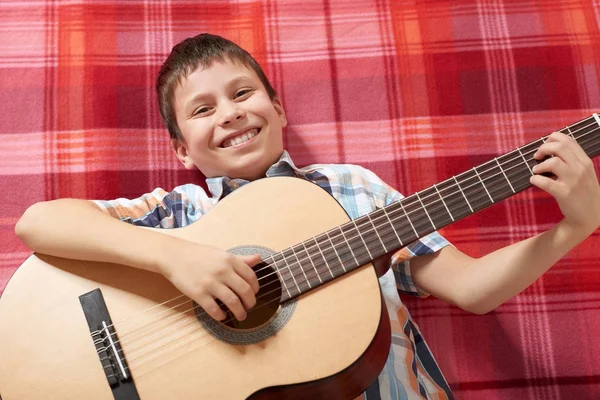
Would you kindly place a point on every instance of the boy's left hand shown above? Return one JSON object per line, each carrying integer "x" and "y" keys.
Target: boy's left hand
{"x": 574, "y": 184}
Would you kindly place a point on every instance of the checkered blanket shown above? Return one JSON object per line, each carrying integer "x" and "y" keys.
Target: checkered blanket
{"x": 417, "y": 91}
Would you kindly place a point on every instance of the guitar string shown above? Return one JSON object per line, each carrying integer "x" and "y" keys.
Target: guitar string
{"x": 436, "y": 202}
{"x": 358, "y": 220}
{"x": 196, "y": 327}
{"x": 265, "y": 294}
{"x": 518, "y": 157}
{"x": 268, "y": 292}
{"x": 199, "y": 327}
{"x": 439, "y": 201}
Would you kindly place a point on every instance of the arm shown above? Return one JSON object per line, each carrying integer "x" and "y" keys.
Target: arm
{"x": 481, "y": 285}
{"x": 78, "y": 229}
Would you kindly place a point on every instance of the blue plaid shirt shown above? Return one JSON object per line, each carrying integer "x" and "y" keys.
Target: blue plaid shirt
{"x": 410, "y": 371}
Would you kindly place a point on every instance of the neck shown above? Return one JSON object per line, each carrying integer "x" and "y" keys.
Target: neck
{"x": 318, "y": 260}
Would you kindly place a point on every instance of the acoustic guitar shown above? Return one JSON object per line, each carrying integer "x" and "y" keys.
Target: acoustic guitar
{"x": 83, "y": 330}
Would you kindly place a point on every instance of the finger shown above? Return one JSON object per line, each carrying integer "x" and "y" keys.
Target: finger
{"x": 231, "y": 301}
{"x": 211, "y": 307}
{"x": 252, "y": 260}
{"x": 570, "y": 142}
{"x": 548, "y": 185}
{"x": 557, "y": 149}
{"x": 245, "y": 270}
{"x": 242, "y": 289}
{"x": 554, "y": 165}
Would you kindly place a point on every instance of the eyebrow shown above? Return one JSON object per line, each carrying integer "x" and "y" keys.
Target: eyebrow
{"x": 200, "y": 96}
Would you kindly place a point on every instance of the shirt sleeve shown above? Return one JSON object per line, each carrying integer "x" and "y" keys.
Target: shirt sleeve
{"x": 159, "y": 208}
{"x": 400, "y": 261}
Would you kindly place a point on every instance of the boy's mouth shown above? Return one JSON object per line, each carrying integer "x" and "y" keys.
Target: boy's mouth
{"x": 240, "y": 138}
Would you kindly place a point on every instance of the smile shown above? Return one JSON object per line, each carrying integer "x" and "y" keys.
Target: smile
{"x": 241, "y": 138}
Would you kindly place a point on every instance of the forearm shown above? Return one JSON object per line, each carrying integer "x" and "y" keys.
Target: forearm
{"x": 493, "y": 279}
{"x": 77, "y": 229}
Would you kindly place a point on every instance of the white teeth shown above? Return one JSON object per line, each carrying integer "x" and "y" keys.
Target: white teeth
{"x": 244, "y": 137}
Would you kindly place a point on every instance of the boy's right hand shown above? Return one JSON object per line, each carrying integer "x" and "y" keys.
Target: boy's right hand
{"x": 205, "y": 273}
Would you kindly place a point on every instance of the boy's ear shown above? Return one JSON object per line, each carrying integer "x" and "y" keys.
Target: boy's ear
{"x": 279, "y": 108}
{"x": 182, "y": 153}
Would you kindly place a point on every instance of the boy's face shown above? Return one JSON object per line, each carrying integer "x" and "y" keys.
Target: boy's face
{"x": 229, "y": 124}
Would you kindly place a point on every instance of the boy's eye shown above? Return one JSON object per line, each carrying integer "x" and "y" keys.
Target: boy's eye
{"x": 201, "y": 110}
{"x": 241, "y": 93}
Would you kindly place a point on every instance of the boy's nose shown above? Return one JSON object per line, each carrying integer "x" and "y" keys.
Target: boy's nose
{"x": 233, "y": 115}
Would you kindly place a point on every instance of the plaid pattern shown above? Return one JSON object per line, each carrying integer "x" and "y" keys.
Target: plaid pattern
{"x": 416, "y": 91}
{"x": 410, "y": 368}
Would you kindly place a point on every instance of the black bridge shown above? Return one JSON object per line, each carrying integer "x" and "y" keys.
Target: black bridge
{"x": 106, "y": 341}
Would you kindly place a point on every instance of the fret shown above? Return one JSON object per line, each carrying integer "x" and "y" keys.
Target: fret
{"x": 454, "y": 199}
{"x": 392, "y": 225}
{"x": 323, "y": 256}
{"x": 417, "y": 215}
{"x": 408, "y": 218}
{"x": 436, "y": 207}
{"x": 583, "y": 130}
{"x": 483, "y": 184}
{"x": 401, "y": 223}
{"x": 285, "y": 260}
{"x": 369, "y": 233}
{"x": 301, "y": 268}
{"x": 443, "y": 202}
{"x": 495, "y": 179}
{"x": 312, "y": 262}
{"x": 348, "y": 244}
{"x": 517, "y": 171}
{"x": 503, "y": 173}
{"x": 282, "y": 278}
{"x": 525, "y": 160}
{"x": 376, "y": 232}
{"x": 528, "y": 151}
{"x": 333, "y": 262}
{"x": 463, "y": 193}
{"x": 475, "y": 187}
{"x": 355, "y": 242}
{"x": 580, "y": 127}
{"x": 387, "y": 231}
{"x": 363, "y": 239}
{"x": 333, "y": 246}
{"x": 570, "y": 133}
{"x": 425, "y": 209}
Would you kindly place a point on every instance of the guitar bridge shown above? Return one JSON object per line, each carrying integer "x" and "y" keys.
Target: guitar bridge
{"x": 106, "y": 342}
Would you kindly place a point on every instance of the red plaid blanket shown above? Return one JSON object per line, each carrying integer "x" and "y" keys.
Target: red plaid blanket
{"x": 416, "y": 91}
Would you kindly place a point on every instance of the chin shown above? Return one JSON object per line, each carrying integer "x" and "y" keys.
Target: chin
{"x": 255, "y": 166}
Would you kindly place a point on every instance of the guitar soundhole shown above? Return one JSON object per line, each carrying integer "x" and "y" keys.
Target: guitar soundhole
{"x": 267, "y": 301}
{"x": 265, "y": 319}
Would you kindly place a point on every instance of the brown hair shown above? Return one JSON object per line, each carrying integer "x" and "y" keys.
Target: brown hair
{"x": 198, "y": 51}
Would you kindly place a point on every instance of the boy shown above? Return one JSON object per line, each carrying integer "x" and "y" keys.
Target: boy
{"x": 225, "y": 119}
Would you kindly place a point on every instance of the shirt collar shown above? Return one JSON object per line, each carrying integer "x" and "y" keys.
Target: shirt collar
{"x": 223, "y": 185}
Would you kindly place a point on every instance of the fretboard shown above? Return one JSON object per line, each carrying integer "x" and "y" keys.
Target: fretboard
{"x": 309, "y": 264}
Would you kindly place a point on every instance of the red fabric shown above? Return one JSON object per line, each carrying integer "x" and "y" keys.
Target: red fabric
{"x": 415, "y": 91}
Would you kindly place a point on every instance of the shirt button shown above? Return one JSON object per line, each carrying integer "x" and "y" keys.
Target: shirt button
{"x": 235, "y": 185}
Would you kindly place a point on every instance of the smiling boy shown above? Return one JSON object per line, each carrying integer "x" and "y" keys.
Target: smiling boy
{"x": 225, "y": 119}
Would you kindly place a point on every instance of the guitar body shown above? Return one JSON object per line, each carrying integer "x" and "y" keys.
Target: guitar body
{"x": 333, "y": 344}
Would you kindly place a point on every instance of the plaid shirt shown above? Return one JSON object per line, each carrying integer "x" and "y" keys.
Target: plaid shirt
{"x": 410, "y": 370}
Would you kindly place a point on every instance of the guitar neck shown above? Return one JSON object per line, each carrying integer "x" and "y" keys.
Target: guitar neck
{"x": 318, "y": 260}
